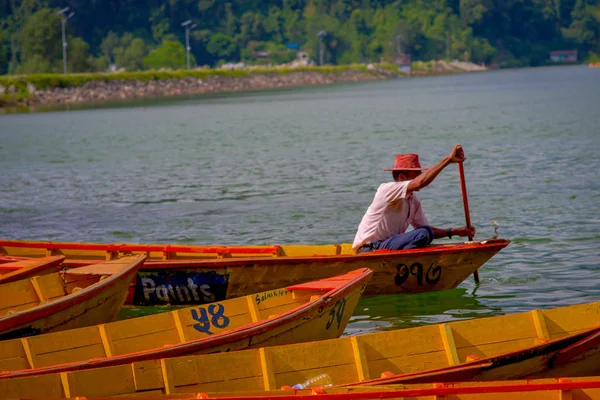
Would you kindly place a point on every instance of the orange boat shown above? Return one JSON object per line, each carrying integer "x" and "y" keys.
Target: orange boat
{"x": 299, "y": 313}
{"x": 30, "y": 267}
{"x": 178, "y": 274}
{"x": 59, "y": 301}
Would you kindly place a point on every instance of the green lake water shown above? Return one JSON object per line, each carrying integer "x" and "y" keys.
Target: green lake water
{"x": 302, "y": 165}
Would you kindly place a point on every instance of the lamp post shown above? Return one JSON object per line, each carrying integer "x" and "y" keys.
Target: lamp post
{"x": 398, "y": 39}
{"x": 188, "y": 26}
{"x": 63, "y": 22}
{"x": 321, "y": 35}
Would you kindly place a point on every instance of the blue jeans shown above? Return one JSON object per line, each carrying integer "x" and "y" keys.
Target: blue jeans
{"x": 418, "y": 238}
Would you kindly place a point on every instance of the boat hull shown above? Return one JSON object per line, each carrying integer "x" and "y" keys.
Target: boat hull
{"x": 92, "y": 305}
{"x": 185, "y": 278}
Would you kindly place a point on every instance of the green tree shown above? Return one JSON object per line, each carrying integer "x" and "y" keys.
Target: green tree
{"x": 585, "y": 27}
{"x": 108, "y": 46}
{"x": 130, "y": 53}
{"x": 170, "y": 54}
{"x": 41, "y": 43}
{"x": 221, "y": 46}
{"x": 78, "y": 56}
{"x": 3, "y": 53}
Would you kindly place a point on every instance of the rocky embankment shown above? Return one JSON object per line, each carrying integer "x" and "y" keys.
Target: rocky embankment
{"x": 103, "y": 90}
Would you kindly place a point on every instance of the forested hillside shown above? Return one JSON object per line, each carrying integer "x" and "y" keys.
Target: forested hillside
{"x": 147, "y": 34}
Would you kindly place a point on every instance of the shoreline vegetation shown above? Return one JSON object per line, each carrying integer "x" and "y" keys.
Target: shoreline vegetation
{"x": 95, "y": 88}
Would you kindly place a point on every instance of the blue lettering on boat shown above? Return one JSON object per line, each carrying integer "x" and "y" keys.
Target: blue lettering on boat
{"x": 179, "y": 287}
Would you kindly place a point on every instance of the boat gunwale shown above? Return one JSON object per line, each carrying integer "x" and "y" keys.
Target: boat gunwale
{"x": 181, "y": 349}
{"x": 438, "y": 389}
{"x": 52, "y": 307}
{"x": 490, "y": 245}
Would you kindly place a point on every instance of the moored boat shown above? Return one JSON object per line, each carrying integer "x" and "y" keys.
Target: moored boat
{"x": 30, "y": 267}
{"x": 180, "y": 274}
{"x": 59, "y": 301}
{"x": 550, "y": 343}
{"x": 310, "y": 311}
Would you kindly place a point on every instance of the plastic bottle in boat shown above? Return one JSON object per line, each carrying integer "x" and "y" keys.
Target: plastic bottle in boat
{"x": 323, "y": 380}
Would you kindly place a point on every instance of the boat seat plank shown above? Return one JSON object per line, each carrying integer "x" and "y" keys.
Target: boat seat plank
{"x": 325, "y": 354}
{"x": 109, "y": 381}
{"x": 138, "y": 334}
{"x": 31, "y": 387}
{"x": 147, "y": 375}
{"x": 65, "y": 346}
{"x": 16, "y": 296}
{"x": 400, "y": 351}
{"x": 51, "y": 285}
{"x": 488, "y": 350}
{"x": 311, "y": 250}
{"x": 340, "y": 374}
{"x": 408, "y": 363}
{"x": 401, "y": 343}
{"x": 507, "y": 328}
{"x": 245, "y": 369}
{"x": 249, "y": 384}
{"x": 243, "y": 365}
{"x": 12, "y": 355}
{"x": 560, "y": 324}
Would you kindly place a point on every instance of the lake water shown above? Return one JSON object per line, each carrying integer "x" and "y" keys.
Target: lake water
{"x": 302, "y": 165}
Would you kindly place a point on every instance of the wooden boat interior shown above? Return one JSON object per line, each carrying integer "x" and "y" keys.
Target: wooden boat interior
{"x": 158, "y": 330}
{"x": 347, "y": 360}
{"x": 36, "y": 291}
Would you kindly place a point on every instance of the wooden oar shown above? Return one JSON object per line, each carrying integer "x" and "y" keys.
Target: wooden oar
{"x": 463, "y": 187}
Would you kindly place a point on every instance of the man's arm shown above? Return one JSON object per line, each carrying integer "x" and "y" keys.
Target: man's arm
{"x": 462, "y": 232}
{"x": 424, "y": 179}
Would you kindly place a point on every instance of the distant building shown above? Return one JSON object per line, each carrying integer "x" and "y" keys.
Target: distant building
{"x": 564, "y": 56}
{"x": 404, "y": 63}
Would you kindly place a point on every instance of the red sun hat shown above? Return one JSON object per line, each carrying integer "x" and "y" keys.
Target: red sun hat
{"x": 406, "y": 162}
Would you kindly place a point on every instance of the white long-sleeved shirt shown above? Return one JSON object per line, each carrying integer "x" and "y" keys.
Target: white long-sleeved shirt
{"x": 389, "y": 214}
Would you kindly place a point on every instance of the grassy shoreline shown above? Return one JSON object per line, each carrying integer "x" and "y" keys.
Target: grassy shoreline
{"x": 26, "y": 89}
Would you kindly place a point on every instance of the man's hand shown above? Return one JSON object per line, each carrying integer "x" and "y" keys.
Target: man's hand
{"x": 464, "y": 231}
{"x": 457, "y": 155}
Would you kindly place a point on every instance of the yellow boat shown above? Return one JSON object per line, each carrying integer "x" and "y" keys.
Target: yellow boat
{"x": 586, "y": 388}
{"x": 59, "y": 301}
{"x": 303, "y": 312}
{"x": 179, "y": 274}
{"x": 550, "y": 343}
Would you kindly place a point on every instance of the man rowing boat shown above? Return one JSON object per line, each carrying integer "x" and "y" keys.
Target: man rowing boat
{"x": 396, "y": 206}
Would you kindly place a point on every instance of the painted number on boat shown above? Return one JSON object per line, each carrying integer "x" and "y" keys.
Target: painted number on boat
{"x": 431, "y": 277}
{"x": 337, "y": 313}
{"x": 212, "y": 316}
